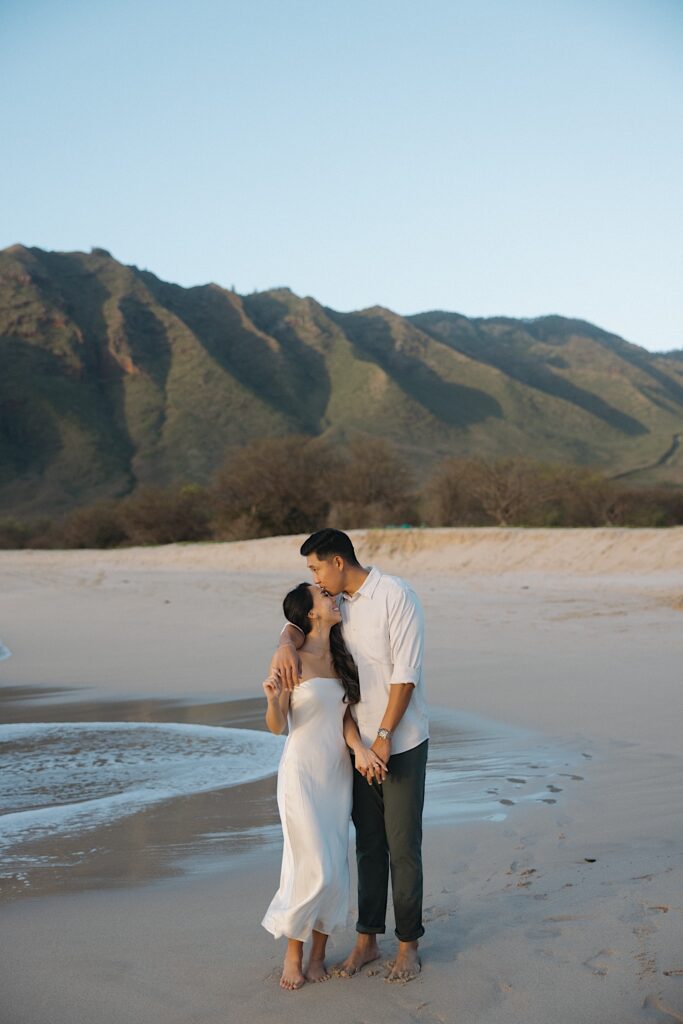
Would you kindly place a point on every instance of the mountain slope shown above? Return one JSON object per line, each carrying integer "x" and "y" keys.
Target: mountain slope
{"x": 113, "y": 378}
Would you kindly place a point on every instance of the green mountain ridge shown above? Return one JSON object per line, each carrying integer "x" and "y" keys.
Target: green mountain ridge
{"x": 113, "y": 378}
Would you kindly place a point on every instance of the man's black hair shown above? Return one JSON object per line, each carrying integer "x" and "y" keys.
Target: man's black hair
{"x": 327, "y": 543}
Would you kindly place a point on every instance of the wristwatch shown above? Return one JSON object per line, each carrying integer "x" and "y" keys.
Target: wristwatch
{"x": 384, "y": 734}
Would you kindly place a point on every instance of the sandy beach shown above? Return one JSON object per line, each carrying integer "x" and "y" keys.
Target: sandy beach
{"x": 563, "y": 907}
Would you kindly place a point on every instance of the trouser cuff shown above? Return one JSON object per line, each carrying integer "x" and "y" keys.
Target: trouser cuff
{"x": 413, "y": 937}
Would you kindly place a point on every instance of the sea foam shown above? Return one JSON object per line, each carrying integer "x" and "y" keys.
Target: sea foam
{"x": 70, "y": 777}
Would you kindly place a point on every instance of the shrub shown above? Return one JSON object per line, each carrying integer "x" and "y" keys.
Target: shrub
{"x": 155, "y": 515}
{"x": 15, "y": 533}
{"x": 95, "y": 526}
{"x": 272, "y": 487}
{"x": 371, "y": 486}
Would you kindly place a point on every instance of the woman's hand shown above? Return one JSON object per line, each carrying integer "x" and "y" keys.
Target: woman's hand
{"x": 272, "y": 687}
{"x": 369, "y": 764}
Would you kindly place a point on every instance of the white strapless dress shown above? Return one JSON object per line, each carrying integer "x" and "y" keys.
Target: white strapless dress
{"x": 314, "y": 794}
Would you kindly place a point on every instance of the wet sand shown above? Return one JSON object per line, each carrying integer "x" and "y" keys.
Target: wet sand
{"x": 565, "y": 912}
{"x": 478, "y": 770}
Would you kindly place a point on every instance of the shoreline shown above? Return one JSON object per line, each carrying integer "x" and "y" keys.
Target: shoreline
{"x": 478, "y": 770}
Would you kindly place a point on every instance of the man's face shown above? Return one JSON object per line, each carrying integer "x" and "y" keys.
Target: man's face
{"x": 327, "y": 573}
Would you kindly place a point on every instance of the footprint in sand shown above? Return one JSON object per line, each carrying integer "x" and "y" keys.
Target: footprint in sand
{"x": 543, "y": 933}
{"x": 674, "y": 972}
{"x": 508, "y": 803}
{"x": 525, "y": 879}
{"x": 433, "y": 913}
{"x": 521, "y": 782}
{"x": 568, "y": 917}
{"x": 654, "y": 1002}
{"x": 599, "y": 964}
{"x": 423, "y": 1015}
{"x": 549, "y": 954}
{"x": 547, "y": 800}
{"x": 645, "y": 959}
{"x": 553, "y": 789}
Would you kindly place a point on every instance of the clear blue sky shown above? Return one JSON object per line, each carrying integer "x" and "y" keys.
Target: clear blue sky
{"x": 515, "y": 157}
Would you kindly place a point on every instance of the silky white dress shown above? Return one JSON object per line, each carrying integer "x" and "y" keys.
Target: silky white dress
{"x": 314, "y": 794}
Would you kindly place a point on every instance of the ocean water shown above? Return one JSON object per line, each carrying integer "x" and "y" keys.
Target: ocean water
{"x": 480, "y": 769}
{"x": 71, "y": 777}
{"x": 107, "y": 802}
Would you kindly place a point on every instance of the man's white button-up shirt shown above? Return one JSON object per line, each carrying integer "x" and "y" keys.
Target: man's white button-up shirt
{"x": 383, "y": 627}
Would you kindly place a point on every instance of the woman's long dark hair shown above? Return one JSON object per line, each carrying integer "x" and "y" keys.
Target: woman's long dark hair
{"x": 296, "y": 606}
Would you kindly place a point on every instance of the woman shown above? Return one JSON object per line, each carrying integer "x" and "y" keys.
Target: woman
{"x": 314, "y": 785}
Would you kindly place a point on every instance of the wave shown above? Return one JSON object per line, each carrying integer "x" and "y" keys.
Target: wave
{"x": 68, "y": 777}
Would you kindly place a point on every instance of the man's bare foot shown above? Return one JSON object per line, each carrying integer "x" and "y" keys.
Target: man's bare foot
{"x": 407, "y": 964}
{"x": 364, "y": 952}
{"x": 316, "y": 970}
{"x": 292, "y": 978}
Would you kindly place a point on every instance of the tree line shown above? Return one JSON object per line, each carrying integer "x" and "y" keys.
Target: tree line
{"x": 296, "y": 484}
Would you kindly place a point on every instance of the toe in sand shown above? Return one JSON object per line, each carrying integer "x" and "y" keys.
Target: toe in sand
{"x": 401, "y": 972}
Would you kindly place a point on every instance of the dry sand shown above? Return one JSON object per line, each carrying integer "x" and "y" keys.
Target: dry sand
{"x": 570, "y": 912}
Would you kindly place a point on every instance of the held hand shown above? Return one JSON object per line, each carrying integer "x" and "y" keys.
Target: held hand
{"x": 369, "y": 764}
{"x": 286, "y": 664}
{"x": 271, "y": 686}
{"x": 382, "y": 748}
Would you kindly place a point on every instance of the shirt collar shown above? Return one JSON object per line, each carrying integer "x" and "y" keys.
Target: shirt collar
{"x": 367, "y": 589}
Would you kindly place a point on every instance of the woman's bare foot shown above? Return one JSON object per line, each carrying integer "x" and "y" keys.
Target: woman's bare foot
{"x": 364, "y": 952}
{"x": 316, "y": 970}
{"x": 292, "y": 978}
{"x": 407, "y": 964}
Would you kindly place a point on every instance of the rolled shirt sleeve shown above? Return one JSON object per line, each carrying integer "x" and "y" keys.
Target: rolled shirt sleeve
{"x": 406, "y": 637}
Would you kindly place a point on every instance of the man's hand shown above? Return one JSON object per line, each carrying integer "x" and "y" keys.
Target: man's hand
{"x": 383, "y": 750}
{"x": 286, "y": 664}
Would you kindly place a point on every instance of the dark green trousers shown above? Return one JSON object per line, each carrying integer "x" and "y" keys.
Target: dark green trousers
{"x": 388, "y": 822}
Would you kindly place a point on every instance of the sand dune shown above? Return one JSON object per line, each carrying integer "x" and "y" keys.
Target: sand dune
{"x": 476, "y": 550}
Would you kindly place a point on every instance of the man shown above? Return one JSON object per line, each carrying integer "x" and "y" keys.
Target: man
{"x": 383, "y": 627}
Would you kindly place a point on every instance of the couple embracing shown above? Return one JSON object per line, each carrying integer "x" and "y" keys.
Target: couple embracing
{"x": 347, "y": 681}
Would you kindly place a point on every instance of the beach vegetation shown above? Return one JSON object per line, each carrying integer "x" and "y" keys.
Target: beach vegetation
{"x": 292, "y": 485}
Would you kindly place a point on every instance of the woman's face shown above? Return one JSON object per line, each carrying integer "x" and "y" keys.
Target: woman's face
{"x": 324, "y": 606}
